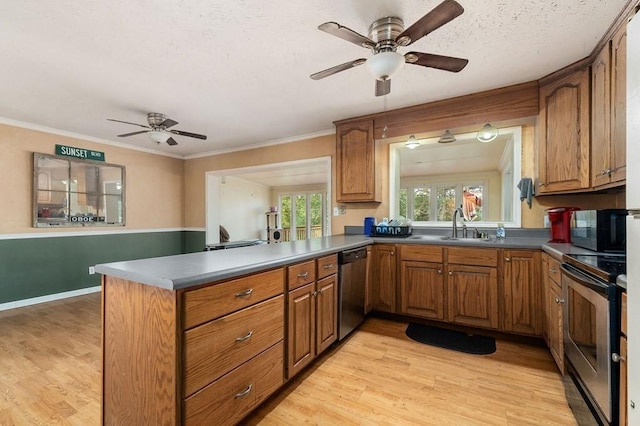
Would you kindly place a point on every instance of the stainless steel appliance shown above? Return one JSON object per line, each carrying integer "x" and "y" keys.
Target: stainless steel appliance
{"x": 592, "y": 329}
{"x": 633, "y": 220}
{"x": 353, "y": 275}
{"x": 599, "y": 230}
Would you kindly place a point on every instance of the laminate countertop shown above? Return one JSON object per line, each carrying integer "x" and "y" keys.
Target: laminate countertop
{"x": 187, "y": 270}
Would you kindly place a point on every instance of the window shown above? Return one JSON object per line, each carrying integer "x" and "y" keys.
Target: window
{"x": 436, "y": 202}
{"x": 303, "y": 215}
{"x": 70, "y": 192}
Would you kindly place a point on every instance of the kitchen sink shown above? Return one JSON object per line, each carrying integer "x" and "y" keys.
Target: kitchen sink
{"x": 445, "y": 238}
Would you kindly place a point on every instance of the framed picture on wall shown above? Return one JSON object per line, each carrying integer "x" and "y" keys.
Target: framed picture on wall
{"x": 74, "y": 192}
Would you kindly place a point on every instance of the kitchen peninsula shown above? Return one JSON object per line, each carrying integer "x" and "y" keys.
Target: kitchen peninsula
{"x": 211, "y": 335}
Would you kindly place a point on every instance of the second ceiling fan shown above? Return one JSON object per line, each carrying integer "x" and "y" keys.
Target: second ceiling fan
{"x": 386, "y": 35}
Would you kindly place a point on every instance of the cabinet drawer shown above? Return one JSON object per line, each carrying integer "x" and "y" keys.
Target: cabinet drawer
{"x": 554, "y": 271}
{"x": 421, "y": 253}
{"x": 301, "y": 274}
{"x": 472, "y": 256}
{"x": 230, "y": 398}
{"x": 327, "y": 265}
{"x": 207, "y": 303}
{"x": 214, "y": 348}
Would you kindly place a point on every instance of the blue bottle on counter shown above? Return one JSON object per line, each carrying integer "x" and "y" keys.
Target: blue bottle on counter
{"x": 369, "y": 223}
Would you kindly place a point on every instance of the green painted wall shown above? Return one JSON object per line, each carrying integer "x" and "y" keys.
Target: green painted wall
{"x": 33, "y": 267}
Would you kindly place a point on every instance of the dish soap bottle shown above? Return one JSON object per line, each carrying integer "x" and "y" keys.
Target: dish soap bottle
{"x": 500, "y": 233}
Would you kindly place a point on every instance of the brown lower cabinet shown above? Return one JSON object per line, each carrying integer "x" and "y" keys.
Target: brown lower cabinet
{"x": 522, "y": 299}
{"x": 554, "y": 301}
{"x": 204, "y": 355}
{"x": 312, "y": 318}
{"x": 383, "y": 277}
{"x": 623, "y": 363}
{"x": 480, "y": 287}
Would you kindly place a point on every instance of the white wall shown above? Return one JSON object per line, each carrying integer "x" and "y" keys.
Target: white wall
{"x": 242, "y": 208}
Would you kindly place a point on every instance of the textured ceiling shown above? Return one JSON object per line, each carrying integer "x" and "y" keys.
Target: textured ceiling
{"x": 238, "y": 71}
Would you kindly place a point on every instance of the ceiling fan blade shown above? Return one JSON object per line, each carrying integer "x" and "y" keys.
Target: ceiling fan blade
{"x": 446, "y": 63}
{"x": 132, "y": 133}
{"x": 383, "y": 87}
{"x": 337, "y": 69}
{"x": 437, "y": 17}
{"x": 168, "y": 123}
{"x": 126, "y": 122}
{"x": 172, "y": 142}
{"x": 191, "y": 135}
{"x": 347, "y": 34}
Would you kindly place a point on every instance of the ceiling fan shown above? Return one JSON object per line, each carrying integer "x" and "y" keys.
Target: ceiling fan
{"x": 159, "y": 129}
{"x": 386, "y": 35}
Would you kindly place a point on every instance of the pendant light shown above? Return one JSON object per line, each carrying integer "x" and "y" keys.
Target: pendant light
{"x": 412, "y": 143}
{"x": 447, "y": 137}
{"x": 487, "y": 133}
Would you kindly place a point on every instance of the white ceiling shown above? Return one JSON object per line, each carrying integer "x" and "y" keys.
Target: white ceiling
{"x": 238, "y": 71}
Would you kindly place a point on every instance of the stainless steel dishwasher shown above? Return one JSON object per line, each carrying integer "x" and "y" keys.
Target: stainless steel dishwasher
{"x": 353, "y": 274}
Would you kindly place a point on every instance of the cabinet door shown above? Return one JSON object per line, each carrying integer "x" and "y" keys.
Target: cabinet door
{"x": 472, "y": 295}
{"x": 545, "y": 299}
{"x": 555, "y": 327}
{"x": 522, "y": 298}
{"x": 623, "y": 381}
{"x": 326, "y": 312}
{"x": 383, "y": 276}
{"x": 368, "y": 289}
{"x": 355, "y": 166}
{"x": 422, "y": 289}
{"x": 601, "y": 117}
{"x": 619, "y": 105}
{"x": 302, "y": 328}
{"x": 563, "y": 154}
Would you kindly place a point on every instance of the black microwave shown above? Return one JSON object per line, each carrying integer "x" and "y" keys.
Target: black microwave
{"x": 600, "y": 230}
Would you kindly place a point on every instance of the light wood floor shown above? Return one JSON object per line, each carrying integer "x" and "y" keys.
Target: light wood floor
{"x": 50, "y": 374}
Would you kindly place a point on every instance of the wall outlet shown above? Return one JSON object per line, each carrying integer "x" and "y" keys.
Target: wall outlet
{"x": 343, "y": 210}
{"x": 92, "y": 270}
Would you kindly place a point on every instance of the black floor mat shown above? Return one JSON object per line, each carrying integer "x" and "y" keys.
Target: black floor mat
{"x": 449, "y": 339}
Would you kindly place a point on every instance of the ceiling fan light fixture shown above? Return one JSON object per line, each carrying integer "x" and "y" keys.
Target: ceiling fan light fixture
{"x": 158, "y": 136}
{"x": 447, "y": 137}
{"x": 382, "y": 66}
{"x": 487, "y": 133}
{"x": 412, "y": 143}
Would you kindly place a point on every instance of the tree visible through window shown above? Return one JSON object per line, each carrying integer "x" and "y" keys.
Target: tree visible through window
{"x": 436, "y": 203}
{"x": 303, "y": 215}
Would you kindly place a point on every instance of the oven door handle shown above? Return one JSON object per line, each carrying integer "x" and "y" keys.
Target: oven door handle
{"x": 583, "y": 279}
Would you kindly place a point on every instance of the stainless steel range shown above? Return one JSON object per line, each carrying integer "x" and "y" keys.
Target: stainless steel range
{"x": 592, "y": 329}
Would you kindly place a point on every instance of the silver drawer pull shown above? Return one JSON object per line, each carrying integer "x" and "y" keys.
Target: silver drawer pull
{"x": 244, "y": 392}
{"x": 329, "y": 266}
{"x": 245, "y": 293}
{"x": 559, "y": 301}
{"x": 243, "y": 338}
{"x": 553, "y": 270}
{"x": 303, "y": 275}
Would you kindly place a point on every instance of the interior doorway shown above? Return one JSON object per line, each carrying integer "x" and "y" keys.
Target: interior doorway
{"x": 239, "y": 198}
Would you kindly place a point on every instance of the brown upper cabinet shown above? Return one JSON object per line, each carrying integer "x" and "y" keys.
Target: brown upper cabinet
{"x": 563, "y": 152}
{"x": 355, "y": 162}
{"x": 608, "y": 95}
{"x": 618, "y": 154}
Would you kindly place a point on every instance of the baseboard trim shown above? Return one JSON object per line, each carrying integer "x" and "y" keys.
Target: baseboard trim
{"x": 48, "y": 298}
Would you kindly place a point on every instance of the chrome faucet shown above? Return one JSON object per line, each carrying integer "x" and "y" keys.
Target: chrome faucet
{"x": 454, "y": 228}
